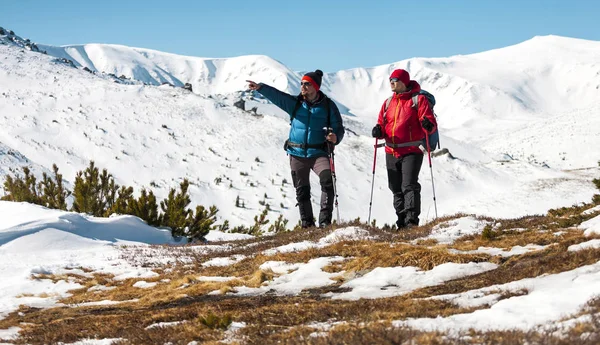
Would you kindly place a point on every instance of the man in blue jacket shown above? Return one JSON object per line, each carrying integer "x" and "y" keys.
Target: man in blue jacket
{"x": 316, "y": 127}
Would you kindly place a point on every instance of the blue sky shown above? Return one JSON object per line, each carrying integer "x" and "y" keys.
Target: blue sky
{"x": 304, "y": 35}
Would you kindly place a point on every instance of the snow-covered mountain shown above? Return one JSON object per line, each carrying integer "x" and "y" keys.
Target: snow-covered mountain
{"x": 545, "y": 80}
{"x": 514, "y": 119}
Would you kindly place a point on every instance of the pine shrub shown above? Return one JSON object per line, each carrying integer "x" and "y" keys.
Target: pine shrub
{"x": 257, "y": 228}
{"x": 223, "y": 227}
{"x": 124, "y": 199}
{"x": 488, "y": 233}
{"x": 94, "y": 192}
{"x": 200, "y": 224}
{"x": 22, "y": 189}
{"x": 54, "y": 194}
{"x": 213, "y": 321}
{"x": 183, "y": 221}
{"x": 145, "y": 207}
{"x": 174, "y": 207}
{"x": 48, "y": 192}
{"x": 280, "y": 225}
{"x": 259, "y": 221}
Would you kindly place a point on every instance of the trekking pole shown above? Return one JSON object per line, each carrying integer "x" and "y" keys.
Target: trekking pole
{"x": 332, "y": 167}
{"x": 373, "y": 180}
{"x": 431, "y": 170}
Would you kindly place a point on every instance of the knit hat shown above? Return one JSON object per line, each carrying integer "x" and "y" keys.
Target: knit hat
{"x": 314, "y": 78}
{"x": 401, "y": 75}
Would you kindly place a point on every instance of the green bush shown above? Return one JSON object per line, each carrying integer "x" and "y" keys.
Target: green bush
{"x": 175, "y": 213}
{"x": 259, "y": 221}
{"x": 94, "y": 193}
{"x": 223, "y": 227}
{"x": 145, "y": 207}
{"x": 257, "y": 228}
{"x": 596, "y": 182}
{"x": 124, "y": 199}
{"x": 22, "y": 189}
{"x": 213, "y": 321}
{"x": 54, "y": 195}
{"x": 280, "y": 225}
{"x": 49, "y": 192}
{"x": 97, "y": 194}
{"x": 183, "y": 221}
{"x": 488, "y": 233}
{"x": 200, "y": 224}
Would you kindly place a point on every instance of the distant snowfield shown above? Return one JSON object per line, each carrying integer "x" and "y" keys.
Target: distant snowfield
{"x": 518, "y": 99}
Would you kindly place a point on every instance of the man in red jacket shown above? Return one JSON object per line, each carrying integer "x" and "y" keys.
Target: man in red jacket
{"x": 404, "y": 126}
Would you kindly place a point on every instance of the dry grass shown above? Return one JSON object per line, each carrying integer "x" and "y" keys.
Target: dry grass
{"x": 270, "y": 319}
{"x": 384, "y": 255}
{"x": 550, "y": 261}
{"x": 506, "y": 239}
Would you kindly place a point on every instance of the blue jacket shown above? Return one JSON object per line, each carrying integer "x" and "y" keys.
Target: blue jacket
{"x": 309, "y": 121}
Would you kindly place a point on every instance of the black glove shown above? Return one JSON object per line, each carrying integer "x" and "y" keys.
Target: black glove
{"x": 376, "y": 132}
{"x": 427, "y": 125}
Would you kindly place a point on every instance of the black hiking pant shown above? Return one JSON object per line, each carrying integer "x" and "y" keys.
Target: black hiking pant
{"x": 301, "y": 168}
{"x": 403, "y": 175}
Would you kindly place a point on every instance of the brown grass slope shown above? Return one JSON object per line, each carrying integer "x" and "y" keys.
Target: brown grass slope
{"x": 180, "y": 296}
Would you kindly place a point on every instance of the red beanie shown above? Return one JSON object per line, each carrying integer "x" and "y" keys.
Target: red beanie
{"x": 401, "y": 75}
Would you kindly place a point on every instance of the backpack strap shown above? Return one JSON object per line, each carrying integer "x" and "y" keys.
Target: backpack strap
{"x": 327, "y": 109}
{"x": 415, "y": 99}
{"x": 387, "y": 102}
{"x": 387, "y": 105}
{"x": 296, "y": 107}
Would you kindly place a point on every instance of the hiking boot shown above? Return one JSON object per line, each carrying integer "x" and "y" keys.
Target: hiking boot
{"x": 324, "y": 218}
{"x": 307, "y": 224}
{"x": 324, "y": 224}
{"x": 411, "y": 225}
{"x": 400, "y": 224}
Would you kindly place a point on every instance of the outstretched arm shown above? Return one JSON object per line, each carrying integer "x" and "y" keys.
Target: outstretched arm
{"x": 283, "y": 100}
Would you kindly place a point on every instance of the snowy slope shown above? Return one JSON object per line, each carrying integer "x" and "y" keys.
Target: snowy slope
{"x": 146, "y": 135}
{"x": 481, "y": 97}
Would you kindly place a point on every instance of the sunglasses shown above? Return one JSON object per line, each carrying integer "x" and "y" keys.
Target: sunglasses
{"x": 394, "y": 80}
{"x": 307, "y": 84}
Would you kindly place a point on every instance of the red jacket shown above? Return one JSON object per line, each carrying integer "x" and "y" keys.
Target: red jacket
{"x": 403, "y": 121}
